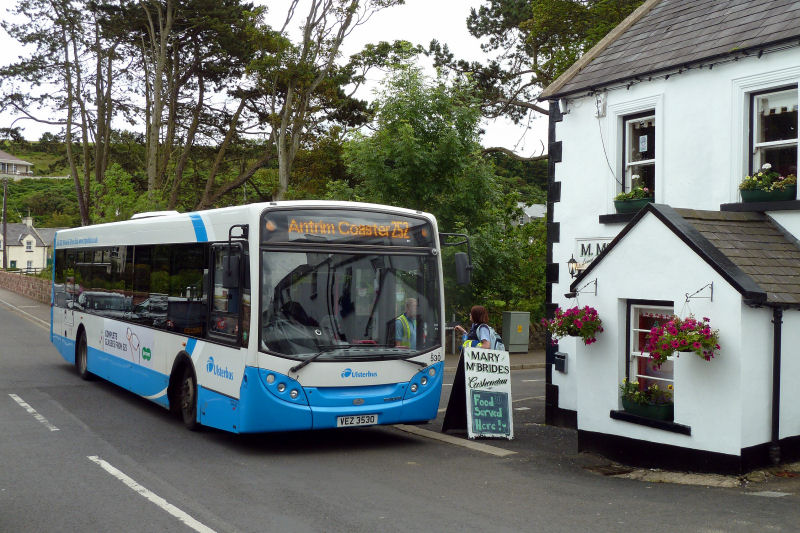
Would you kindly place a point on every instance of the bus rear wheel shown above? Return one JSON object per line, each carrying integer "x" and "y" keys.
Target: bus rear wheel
{"x": 188, "y": 399}
{"x": 81, "y": 358}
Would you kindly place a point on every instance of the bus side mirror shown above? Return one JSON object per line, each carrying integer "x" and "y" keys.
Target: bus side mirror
{"x": 463, "y": 268}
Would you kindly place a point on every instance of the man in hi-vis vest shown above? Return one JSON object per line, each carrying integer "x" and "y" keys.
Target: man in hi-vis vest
{"x": 405, "y": 326}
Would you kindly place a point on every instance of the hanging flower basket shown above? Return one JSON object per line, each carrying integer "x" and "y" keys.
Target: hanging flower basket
{"x": 575, "y": 322}
{"x": 682, "y": 335}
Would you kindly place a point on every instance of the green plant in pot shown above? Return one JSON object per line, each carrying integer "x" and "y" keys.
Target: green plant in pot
{"x": 768, "y": 185}
{"x": 651, "y": 402}
{"x": 635, "y": 199}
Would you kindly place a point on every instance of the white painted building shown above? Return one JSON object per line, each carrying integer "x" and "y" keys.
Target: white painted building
{"x": 691, "y": 97}
{"x": 29, "y": 249}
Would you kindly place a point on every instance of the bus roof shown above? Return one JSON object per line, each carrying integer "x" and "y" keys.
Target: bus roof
{"x": 200, "y": 226}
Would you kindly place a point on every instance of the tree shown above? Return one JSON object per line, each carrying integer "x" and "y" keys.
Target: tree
{"x": 424, "y": 154}
{"x": 531, "y": 42}
{"x": 72, "y": 54}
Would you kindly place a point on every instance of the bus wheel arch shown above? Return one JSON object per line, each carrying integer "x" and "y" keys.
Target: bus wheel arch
{"x": 182, "y": 392}
{"x": 82, "y": 355}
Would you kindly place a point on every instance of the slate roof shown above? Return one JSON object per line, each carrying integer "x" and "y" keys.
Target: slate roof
{"x": 755, "y": 244}
{"x": 16, "y": 232}
{"x": 666, "y": 35}
{"x": 750, "y": 250}
{"x": 5, "y": 157}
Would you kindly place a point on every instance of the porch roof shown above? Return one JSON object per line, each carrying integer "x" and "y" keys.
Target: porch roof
{"x": 750, "y": 250}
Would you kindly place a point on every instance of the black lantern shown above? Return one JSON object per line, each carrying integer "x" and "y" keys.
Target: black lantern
{"x": 572, "y": 265}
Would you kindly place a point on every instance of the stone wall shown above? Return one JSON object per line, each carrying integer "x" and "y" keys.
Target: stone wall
{"x": 34, "y": 288}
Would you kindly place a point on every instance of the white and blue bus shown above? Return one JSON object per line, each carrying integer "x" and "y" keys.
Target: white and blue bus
{"x": 264, "y": 317}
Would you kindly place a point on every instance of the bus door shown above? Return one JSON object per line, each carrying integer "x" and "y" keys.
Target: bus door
{"x": 66, "y": 299}
{"x": 230, "y": 294}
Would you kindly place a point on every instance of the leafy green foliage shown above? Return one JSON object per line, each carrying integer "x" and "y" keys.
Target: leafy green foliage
{"x": 424, "y": 154}
{"x": 529, "y": 43}
{"x": 117, "y": 198}
{"x": 51, "y": 202}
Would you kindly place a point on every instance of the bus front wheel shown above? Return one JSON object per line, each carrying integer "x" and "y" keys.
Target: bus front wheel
{"x": 188, "y": 399}
{"x": 81, "y": 355}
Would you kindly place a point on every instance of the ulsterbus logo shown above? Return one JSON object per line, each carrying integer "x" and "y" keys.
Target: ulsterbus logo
{"x": 217, "y": 370}
{"x": 350, "y": 373}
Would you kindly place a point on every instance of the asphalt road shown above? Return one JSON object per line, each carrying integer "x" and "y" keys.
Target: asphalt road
{"x": 88, "y": 456}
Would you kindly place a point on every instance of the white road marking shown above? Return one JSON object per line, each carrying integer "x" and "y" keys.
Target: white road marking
{"x": 769, "y": 494}
{"x": 36, "y": 320}
{"x": 532, "y": 380}
{"x": 529, "y": 398}
{"x": 151, "y": 496}
{"x": 522, "y": 408}
{"x": 33, "y": 412}
{"x": 472, "y": 445}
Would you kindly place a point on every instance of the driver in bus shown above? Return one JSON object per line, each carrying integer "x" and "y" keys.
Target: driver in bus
{"x": 405, "y": 326}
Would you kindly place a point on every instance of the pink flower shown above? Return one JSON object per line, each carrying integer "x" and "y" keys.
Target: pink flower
{"x": 696, "y": 345}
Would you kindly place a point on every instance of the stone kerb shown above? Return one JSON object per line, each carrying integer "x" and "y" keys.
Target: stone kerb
{"x": 34, "y": 288}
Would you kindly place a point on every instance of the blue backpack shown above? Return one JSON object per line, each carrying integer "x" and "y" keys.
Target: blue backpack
{"x": 495, "y": 341}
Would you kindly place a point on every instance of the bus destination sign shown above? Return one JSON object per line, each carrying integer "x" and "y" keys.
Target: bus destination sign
{"x": 394, "y": 229}
{"x": 339, "y": 226}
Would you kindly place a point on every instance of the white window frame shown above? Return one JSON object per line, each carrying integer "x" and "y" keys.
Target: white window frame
{"x": 614, "y": 129}
{"x": 627, "y": 149}
{"x": 28, "y": 246}
{"x": 755, "y": 116}
{"x": 633, "y": 354}
{"x": 741, "y": 89}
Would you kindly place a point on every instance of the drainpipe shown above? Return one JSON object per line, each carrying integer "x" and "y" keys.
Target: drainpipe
{"x": 775, "y": 448}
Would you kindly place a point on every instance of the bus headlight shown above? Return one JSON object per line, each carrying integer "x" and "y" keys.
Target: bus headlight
{"x": 424, "y": 381}
{"x": 414, "y": 387}
{"x": 281, "y": 387}
{"x": 294, "y": 394}
{"x": 431, "y": 371}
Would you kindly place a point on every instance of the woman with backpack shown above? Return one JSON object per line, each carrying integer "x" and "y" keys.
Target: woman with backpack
{"x": 479, "y": 334}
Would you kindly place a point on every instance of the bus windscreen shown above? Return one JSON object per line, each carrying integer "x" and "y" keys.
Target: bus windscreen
{"x": 344, "y": 227}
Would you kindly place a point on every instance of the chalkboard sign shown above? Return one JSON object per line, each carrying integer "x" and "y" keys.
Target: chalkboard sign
{"x": 490, "y": 413}
{"x": 487, "y": 377}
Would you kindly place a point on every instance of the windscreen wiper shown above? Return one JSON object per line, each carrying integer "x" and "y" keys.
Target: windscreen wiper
{"x": 322, "y": 350}
{"x": 326, "y": 349}
{"x": 393, "y": 357}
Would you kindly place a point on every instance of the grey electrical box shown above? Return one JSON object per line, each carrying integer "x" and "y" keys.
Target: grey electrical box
{"x": 516, "y": 325}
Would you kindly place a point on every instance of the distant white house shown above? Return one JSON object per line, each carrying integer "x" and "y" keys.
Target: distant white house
{"x": 29, "y": 249}
{"x": 14, "y": 166}
{"x": 531, "y": 212}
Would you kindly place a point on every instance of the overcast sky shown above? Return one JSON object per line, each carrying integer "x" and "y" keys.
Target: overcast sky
{"x": 418, "y": 21}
